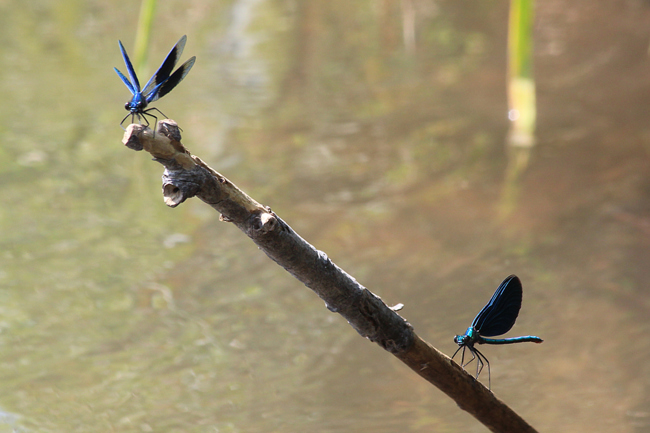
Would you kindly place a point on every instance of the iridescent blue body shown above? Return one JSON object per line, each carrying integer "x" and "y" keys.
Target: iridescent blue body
{"x": 161, "y": 83}
{"x": 496, "y": 318}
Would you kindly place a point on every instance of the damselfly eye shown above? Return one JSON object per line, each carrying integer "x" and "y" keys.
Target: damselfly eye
{"x": 126, "y": 106}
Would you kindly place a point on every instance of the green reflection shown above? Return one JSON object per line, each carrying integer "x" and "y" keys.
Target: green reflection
{"x": 143, "y": 35}
{"x": 521, "y": 99}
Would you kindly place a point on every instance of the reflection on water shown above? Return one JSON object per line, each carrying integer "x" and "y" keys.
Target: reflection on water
{"x": 384, "y": 146}
{"x": 522, "y": 110}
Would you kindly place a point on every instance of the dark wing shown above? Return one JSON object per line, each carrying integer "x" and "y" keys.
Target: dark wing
{"x": 165, "y": 69}
{"x": 134, "y": 85}
{"x": 500, "y": 314}
{"x": 172, "y": 81}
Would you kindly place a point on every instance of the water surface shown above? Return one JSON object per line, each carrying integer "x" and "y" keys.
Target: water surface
{"x": 378, "y": 131}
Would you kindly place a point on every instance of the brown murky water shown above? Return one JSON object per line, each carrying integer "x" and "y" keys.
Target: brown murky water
{"x": 378, "y": 130}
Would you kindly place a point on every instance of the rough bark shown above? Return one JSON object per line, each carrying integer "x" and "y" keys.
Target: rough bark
{"x": 188, "y": 176}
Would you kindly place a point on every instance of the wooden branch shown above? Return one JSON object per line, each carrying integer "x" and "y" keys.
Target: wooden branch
{"x": 187, "y": 176}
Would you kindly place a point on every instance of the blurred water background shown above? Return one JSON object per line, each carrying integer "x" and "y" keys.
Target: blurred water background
{"x": 378, "y": 130}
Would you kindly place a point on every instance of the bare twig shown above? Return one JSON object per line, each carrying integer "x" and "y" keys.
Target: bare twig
{"x": 187, "y": 176}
